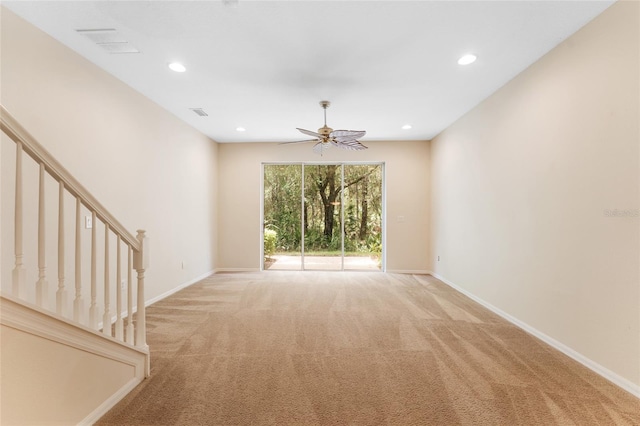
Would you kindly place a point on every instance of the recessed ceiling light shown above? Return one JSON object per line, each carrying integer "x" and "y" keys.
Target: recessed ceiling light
{"x": 240, "y": 129}
{"x": 177, "y": 67}
{"x": 406, "y": 127}
{"x": 467, "y": 59}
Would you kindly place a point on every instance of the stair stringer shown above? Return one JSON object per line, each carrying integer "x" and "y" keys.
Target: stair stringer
{"x": 46, "y": 367}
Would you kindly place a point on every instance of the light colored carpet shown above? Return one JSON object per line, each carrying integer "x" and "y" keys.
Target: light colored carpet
{"x": 354, "y": 348}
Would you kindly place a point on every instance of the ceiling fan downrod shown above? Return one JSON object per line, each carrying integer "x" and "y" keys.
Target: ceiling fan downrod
{"x": 324, "y": 130}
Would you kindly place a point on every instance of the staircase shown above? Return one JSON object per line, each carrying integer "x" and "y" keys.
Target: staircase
{"x": 68, "y": 354}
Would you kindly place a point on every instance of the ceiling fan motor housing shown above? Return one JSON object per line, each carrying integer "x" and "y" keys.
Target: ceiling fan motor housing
{"x": 325, "y": 131}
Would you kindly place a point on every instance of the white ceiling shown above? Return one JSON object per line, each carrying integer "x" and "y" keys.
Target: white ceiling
{"x": 265, "y": 65}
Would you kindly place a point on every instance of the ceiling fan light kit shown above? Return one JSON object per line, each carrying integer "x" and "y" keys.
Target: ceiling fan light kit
{"x": 326, "y": 137}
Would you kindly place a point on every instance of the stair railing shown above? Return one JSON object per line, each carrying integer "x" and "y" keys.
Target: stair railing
{"x": 134, "y": 332}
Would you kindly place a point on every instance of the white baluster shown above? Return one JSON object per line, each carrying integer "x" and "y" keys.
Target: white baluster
{"x": 130, "y": 337}
{"x": 106, "y": 319}
{"x": 42, "y": 286}
{"x": 18, "y": 274}
{"x": 119, "y": 323}
{"x": 78, "y": 303}
{"x": 93, "y": 308}
{"x": 61, "y": 294}
{"x": 140, "y": 263}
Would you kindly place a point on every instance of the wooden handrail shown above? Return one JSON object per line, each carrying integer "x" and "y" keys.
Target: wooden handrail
{"x": 17, "y": 133}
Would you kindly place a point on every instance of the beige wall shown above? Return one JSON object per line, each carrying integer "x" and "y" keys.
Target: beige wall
{"x": 54, "y": 373}
{"x": 521, "y": 186}
{"x": 52, "y": 383}
{"x": 151, "y": 170}
{"x": 407, "y": 189}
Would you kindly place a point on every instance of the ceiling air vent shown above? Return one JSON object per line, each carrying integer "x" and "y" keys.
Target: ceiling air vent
{"x": 230, "y": 3}
{"x": 199, "y": 111}
{"x": 109, "y": 39}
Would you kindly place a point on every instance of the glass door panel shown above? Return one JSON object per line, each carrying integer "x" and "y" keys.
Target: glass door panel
{"x": 322, "y": 217}
{"x": 282, "y": 224}
{"x": 363, "y": 217}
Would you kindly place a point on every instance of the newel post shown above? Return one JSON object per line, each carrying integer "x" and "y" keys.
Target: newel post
{"x": 19, "y": 271}
{"x": 140, "y": 263}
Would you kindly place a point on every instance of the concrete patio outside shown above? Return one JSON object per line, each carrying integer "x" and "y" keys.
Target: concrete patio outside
{"x": 287, "y": 262}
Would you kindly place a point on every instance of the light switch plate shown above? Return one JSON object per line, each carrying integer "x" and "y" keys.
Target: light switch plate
{"x": 88, "y": 222}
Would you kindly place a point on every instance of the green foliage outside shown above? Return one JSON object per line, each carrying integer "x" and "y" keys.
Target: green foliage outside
{"x": 270, "y": 239}
{"x": 282, "y": 205}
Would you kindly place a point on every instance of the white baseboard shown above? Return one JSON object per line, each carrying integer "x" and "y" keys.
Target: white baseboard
{"x": 222, "y": 270}
{"x": 107, "y": 405}
{"x": 409, "y": 271}
{"x": 176, "y": 289}
{"x": 614, "y": 378}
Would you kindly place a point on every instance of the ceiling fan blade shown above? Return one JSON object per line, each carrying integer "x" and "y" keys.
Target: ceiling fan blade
{"x": 310, "y": 133}
{"x": 308, "y": 140}
{"x": 348, "y": 134}
{"x": 341, "y": 139}
{"x": 352, "y": 145}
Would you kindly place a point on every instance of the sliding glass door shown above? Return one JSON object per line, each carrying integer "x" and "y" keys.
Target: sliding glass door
{"x": 281, "y": 216}
{"x": 362, "y": 197}
{"x": 323, "y": 216}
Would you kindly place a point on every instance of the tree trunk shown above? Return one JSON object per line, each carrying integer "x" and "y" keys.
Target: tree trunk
{"x": 365, "y": 209}
{"x": 329, "y": 194}
{"x": 329, "y": 209}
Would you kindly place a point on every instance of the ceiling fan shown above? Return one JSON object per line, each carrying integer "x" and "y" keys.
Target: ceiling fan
{"x": 327, "y": 137}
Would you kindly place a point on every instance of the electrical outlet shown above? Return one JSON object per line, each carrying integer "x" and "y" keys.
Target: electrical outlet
{"x": 123, "y": 285}
{"x": 88, "y": 222}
